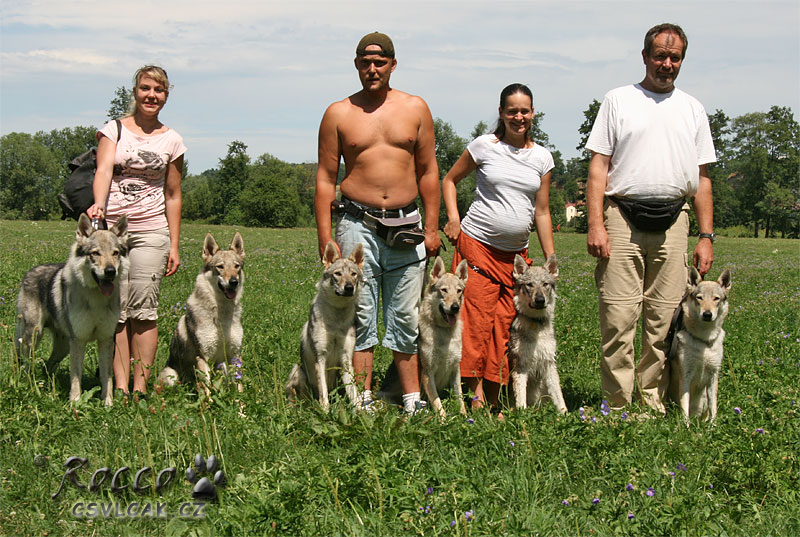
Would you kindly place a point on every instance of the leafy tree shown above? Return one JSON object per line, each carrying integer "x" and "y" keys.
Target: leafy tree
{"x": 537, "y": 134}
{"x": 479, "y": 129}
{"x": 449, "y": 147}
{"x": 590, "y": 114}
{"x": 66, "y": 144}
{"x": 120, "y": 104}
{"x": 27, "y": 172}
{"x": 229, "y": 183}
{"x": 270, "y": 198}
{"x": 765, "y": 152}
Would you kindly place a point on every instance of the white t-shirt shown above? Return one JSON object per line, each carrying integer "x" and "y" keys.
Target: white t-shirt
{"x": 140, "y": 170}
{"x": 508, "y": 179}
{"x": 656, "y": 142}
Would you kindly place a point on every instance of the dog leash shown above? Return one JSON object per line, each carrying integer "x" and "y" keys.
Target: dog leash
{"x": 479, "y": 270}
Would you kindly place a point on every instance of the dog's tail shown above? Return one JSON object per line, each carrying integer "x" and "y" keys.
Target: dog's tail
{"x": 675, "y": 326}
{"x": 391, "y": 391}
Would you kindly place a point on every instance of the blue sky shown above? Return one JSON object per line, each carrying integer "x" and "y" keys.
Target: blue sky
{"x": 263, "y": 72}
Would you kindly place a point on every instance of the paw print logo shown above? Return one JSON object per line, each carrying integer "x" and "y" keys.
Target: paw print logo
{"x": 205, "y": 488}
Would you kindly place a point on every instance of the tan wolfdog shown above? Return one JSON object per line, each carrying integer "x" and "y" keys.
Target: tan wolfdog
{"x": 695, "y": 357}
{"x": 329, "y": 335}
{"x": 532, "y": 344}
{"x": 78, "y": 301}
{"x": 209, "y": 334}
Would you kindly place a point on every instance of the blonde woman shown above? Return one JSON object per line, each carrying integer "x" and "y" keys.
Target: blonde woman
{"x": 140, "y": 176}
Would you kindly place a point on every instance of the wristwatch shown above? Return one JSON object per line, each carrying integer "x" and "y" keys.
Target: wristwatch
{"x": 710, "y": 236}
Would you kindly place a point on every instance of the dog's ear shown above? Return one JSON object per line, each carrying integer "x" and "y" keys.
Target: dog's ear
{"x": 84, "y": 227}
{"x": 437, "y": 270}
{"x": 330, "y": 254}
{"x": 210, "y": 247}
{"x": 520, "y": 265}
{"x": 462, "y": 270}
{"x": 121, "y": 227}
{"x": 357, "y": 255}
{"x": 237, "y": 244}
{"x": 725, "y": 280}
{"x": 552, "y": 265}
{"x": 694, "y": 277}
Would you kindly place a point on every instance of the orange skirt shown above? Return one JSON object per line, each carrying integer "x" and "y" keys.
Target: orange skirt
{"x": 488, "y": 309}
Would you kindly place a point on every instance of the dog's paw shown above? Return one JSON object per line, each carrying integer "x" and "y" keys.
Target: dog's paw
{"x": 205, "y": 488}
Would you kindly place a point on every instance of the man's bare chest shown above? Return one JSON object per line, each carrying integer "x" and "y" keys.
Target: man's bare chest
{"x": 361, "y": 131}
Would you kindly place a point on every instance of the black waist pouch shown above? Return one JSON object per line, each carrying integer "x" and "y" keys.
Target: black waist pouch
{"x": 650, "y": 215}
{"x": 397, "y": 232}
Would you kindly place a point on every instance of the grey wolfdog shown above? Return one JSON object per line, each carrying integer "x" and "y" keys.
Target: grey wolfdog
{"x": 210, "y": 332}
{"x": 532, "y": 343}
{"x": 78, "y": 301}
{"x": 439, "y": 338}
{"x": 695, "y": 356}
{"x": 329, "y": 335}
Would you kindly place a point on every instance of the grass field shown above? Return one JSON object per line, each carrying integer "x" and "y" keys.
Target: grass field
{"x": 297, "y": 471}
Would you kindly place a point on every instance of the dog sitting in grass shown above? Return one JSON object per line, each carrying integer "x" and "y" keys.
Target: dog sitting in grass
{"x": 210, "y": 333}
{"x": 329, "y": 335}
{"x": 695, "y": 342}
{"x": 532, "y": 342}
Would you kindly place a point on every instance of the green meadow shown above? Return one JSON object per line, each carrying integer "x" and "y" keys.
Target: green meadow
{"x": 294, "y": 470}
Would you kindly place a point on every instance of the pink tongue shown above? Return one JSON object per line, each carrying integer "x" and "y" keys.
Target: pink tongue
{"x": 106, "y": 288}
{"x": 451, "y": 319}
{"x": 230, "y": 293}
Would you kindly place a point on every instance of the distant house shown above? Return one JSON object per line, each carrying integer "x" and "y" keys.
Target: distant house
{"x": 572, "y": 211}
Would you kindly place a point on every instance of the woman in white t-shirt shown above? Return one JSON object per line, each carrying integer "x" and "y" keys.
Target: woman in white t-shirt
{"x": 140, "y": 176}
{"x": 512, "y": 192}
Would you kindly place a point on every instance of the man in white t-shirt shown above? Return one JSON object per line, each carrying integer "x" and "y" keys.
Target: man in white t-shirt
{"x": 650, "y": 146}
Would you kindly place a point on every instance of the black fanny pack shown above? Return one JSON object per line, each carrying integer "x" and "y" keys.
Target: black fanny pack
{"x": 650, "y": 215}
{"x": 397, "y": 231}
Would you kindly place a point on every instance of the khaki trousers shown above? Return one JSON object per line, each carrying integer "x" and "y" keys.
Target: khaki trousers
{"x": 644, "y": 277}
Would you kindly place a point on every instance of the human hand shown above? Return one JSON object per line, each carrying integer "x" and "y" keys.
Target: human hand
{"x": 173, "y": 262}
{"x": 432, "y": 243}
{"x": 703, "y": 256}
{"x": 96, "y": 211}
{"x": 452, "y": 229}
{"x": 597, "y": 243}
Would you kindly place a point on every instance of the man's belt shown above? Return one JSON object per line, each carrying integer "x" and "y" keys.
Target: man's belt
{"x": 357, "y": 210}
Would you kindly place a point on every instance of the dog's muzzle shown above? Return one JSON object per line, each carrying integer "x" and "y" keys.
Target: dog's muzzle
{"x": 450, "y": 317}
{"x": 106, "y": 284}
{"x": 349, "y": 290}
{"x": 229, "y": 290}
{"x": 708, "y": 316}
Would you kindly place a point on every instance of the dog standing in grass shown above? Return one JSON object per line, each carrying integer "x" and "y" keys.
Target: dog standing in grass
{"x": 439, "y": 338}
{"x": 329, "y": 335}
{"x": 696, "y": 336}
{"x": 532, "y": 343}
{"x": 209, "y": 334}
{"x": 78, "y": 301}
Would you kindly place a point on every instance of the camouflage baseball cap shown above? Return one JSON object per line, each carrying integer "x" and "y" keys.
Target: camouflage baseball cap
{"x": 379, "y": 39}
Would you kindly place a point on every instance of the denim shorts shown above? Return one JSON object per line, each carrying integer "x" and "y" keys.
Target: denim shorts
{"x": 400, "y": 289}
{"x": 148, "y": 252}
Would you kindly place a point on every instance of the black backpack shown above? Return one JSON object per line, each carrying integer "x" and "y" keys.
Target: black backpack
{"x": 78, "y": 195}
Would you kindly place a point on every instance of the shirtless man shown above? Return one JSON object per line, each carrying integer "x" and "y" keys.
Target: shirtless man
{"x": 386, "y": 139}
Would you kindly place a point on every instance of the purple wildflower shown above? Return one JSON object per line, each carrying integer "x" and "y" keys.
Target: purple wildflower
{"x": 476, "y": 398}
{"x": 737, "y": 410}
{"x": 470, "y": 421}
{"x": 630, "y": 516}
{"x": 650, "y": 491}
{"x": 624, "y": 416}
{"x": 565, "y": 502}
{"x": 238, "y": 375}
{"x": 469, "y": 515}
{"x": 605, "y": 409}
{"x": 629, "y": 486}
{"x": 681, "y": 467}
{"x": 596, "y": 501}
{"x": 760, "y": 430}
{"x": 430, "y": 490}
{"x": 671, "y": 474}
{"x": 453, "y": 523}
{"x": 511, "y": 442}
{"x": 594, "y": 419}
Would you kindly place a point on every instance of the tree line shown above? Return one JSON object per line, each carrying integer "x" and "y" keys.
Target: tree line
{"x": 755, "y": 179}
